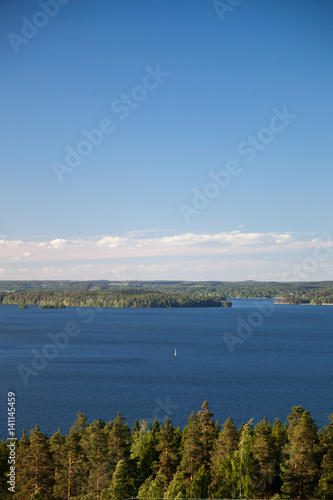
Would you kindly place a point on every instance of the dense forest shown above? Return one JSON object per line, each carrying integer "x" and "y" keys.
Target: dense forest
{"x": 126, "y": 298}
{"x": 103, "y": 461}
{"x": 159, "y": 293}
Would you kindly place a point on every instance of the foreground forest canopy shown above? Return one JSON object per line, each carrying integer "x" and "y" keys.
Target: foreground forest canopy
{"x": 159, "y": 293}
{"x": 158, "y": 461}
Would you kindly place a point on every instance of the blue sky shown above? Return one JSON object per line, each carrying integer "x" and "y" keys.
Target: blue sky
{"x": 198, "y": 88}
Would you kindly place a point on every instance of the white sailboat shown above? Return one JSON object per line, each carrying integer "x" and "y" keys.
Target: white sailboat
{"x": 175, "y": 352}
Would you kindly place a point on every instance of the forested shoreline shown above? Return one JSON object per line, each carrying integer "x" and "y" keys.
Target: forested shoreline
{"x": 126, "y": 298}
{"x": 204, "y": 460}
{"x": 104, "y": 293}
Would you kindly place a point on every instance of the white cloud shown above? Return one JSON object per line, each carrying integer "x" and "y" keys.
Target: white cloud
{"x": 10, "y": 243}
{"x": 281, "y": 238}
{"x": 112, "y": 241}
{"x": 58, "y": 243}
{"x": 161, "y": 255}
{"x": 231, "y": 238}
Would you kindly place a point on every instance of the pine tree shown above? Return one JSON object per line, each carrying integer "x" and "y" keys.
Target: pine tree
{"x": 118, "y": 440}
{"x": 72, "y": 477}
{"x": 24, "y": 488}
{"x": 177, "y": 487}
{"x": 153, "y": 487}
{"x": 300, "y": 470}
{"x": 245, "y": 467}
{"x": 57, "y": 446}
{"x": 200, "y": 483}
{"x": 70, "y": 461}
{"x": 35, "y": 469}
{"x": 122, "y": 484}
{"x": 226, "y": 479}
{"x": 137, "y": 426}
{"x": 80, "y": 424}
{"x": 325, "y": 486}
{"x": 279, "y": 435}
{"x": 43, "y": 463}
{"x": 208, "y": 431}
{"x": 224, "y": 447}
{"x": 192, "y": 453}
{"x": 94, "y": 443}
{"x": 168, "y": 454}
{"x": 265, "y": 452}
{"x": 156, "y": 426}
{"x": 143, "y": 451}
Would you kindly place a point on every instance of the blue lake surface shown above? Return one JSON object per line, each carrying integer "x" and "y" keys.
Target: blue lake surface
{"x": 122, "y": 360}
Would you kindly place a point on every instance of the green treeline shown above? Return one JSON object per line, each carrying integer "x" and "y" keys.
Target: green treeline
{"x": 112, "y": 461}
{"x": 313, "y": 300}
{"x": 292, "y": 292}
{"x": 124, "y": 298}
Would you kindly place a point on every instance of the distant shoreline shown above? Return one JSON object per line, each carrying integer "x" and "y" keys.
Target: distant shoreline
{"x": 306, "y": 304}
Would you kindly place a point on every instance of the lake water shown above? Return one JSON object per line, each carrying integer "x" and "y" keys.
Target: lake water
{"x": 122, "y": 360}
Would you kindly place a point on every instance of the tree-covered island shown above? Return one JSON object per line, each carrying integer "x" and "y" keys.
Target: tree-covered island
{"x": 124, "y": 298}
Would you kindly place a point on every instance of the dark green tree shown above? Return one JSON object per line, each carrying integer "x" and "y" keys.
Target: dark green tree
{"x": 224, "y": 447}
{"x": 72, "y": 476}
{"x": 57, "y": 447}
{"x": 226, "y": 479}
{"x": 300, "y": 469}
{"x": 200, "y": 484}
{"x": 245, "y": 467}
{"x": 279, "y": 435}
{"x": 43, "y": 463}
{"x": 208, "y": 432}
{"x": 80, "y": 424}
{"x": 264, "y": 451}
{"x": 153, "y": 487}
{"x": 24, "y": 487}
{"x": 177, "y": 487}
{"x": 35, "y": 467}
{"x": 168, "y": 453}
{"x": 143, "y": 451}
{"x": 192, "y": 452}
{"x": 325, "y": 486}
{"x": 95, "y": 445}
{"x": 118, "y": 441}
{"x": 122, "y": 484}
